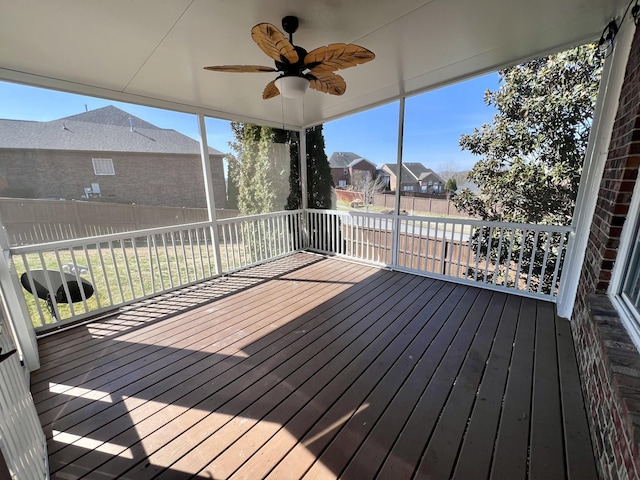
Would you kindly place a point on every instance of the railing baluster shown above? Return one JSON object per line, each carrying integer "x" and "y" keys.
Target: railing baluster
{"x": 544, "y": 261}
{"x": 78, "y": 279}
{"x": 554, "y": 290}
{"x": 496, "y": 271}
{"x": 91, "y": 273}
{"x": 126, "y": 264}
{"x": 25, "y": 263}
{"x": 167, "y": 257}
{"x": 531, "y": 260}
{"x": 480, "y": 238}
{"x": 176, "y": 259}
{"x": 520, "y": 258}
{"x": 152, "y": 274}
{"x": 134, "y": 246}
{"x": 236, "y": 245}
{"x": 194, "y": 263}
{"x": 65, "y": 286}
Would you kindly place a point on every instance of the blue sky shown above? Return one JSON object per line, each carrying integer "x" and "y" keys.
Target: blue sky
{"x": 434, "y": 122}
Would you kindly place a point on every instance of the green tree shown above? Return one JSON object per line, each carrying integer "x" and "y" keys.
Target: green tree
{"x": 532, "y": 154}
{"x": 319, "y": 179}
{"x": 257, "y": 169}
{"x": 451, "y": 186}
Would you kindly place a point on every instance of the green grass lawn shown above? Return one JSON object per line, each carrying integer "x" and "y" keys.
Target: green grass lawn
{"x": 123, "y": 274}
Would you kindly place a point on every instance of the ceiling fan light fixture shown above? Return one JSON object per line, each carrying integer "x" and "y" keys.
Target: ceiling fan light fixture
{"x": 292, "y": 86}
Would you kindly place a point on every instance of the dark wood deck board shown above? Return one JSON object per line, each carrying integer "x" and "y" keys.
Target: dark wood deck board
{"x": 473, "y": 460}
{"x": 546, "y": 451}
{"x": 580, "y": 463}
{"x": 316, "y": 368}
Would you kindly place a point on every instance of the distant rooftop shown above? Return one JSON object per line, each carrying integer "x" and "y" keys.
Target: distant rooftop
{"x": 107, "y": 129}
{"x": 346, "y": 159}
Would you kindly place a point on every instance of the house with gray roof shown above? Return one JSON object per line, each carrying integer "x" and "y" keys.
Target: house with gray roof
{"x": 105, "y": 154}
{"x": 347, "y": 167}
{"x": 415, "y": 177}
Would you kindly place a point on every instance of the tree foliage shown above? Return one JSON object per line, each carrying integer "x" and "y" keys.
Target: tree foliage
{"x": 451, "y": 186}
{"x": 531, "y": 160}
{"x": 532, "y": 152}
{"x": 319, "y": 179}
{"x": 257, "y": 169}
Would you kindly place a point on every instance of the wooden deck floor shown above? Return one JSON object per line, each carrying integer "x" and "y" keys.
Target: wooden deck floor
{"x": 317, "y": 368}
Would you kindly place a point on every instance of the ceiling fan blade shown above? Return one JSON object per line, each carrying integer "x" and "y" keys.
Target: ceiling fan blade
{"x": 241, "y": 68}
{"x": 327, "y": 82}
{"x": 337, "y": 56}
{"x": 270, "y": 90}
{"x": 273, "y": 42}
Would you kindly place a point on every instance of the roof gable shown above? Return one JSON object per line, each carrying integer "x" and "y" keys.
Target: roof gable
{"x": 342, "y": 159}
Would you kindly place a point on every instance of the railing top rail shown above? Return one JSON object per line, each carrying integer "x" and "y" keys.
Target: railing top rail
{"x": 456, "y": 221}
{"x": 260, "y": 215}
{"x": 81, "y": 241}
{"x": 76, "y": 242}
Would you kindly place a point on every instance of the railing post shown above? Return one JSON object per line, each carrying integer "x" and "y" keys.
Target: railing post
{"x": 16, "y": 307}
{"x": 208, "y": 189}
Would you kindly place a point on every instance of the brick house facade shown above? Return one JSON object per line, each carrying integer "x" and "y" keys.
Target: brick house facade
{"x": 148, "y": 165}
{"x": 609, "y": 361}
{"x": 348, "y": 167}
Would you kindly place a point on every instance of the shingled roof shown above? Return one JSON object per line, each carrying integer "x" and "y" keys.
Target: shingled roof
{"x": 412, "y": 169}
{"x": 346, "y": 159}
{"x": 106, "y": 129}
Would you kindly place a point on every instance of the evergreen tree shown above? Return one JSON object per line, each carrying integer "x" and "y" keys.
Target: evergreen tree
{"x": 319, "y": 179}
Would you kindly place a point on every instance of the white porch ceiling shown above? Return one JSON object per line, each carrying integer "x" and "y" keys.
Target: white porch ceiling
{"x": 152, "y": 52}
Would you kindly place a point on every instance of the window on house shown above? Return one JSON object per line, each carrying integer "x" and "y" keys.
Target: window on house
{"x": 103, "y": 166}
{"x": 407, "y": 188}
{"x": 342, "y": 183}
{"x": 631, "y": 283}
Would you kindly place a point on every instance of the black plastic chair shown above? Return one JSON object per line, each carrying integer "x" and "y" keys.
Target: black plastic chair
{"x": 75, "y": 285}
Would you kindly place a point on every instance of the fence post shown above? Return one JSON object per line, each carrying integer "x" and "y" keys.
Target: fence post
{"x": 16, "y": 308}
{"x": 77, "y": 227}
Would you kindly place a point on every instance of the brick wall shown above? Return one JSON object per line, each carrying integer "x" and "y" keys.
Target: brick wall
{"x": 609, "y": 362}
{"x": 148, "y": 179}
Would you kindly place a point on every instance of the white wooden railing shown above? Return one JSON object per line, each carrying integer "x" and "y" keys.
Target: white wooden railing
{"x": 247, "y": 241}
{"x": 22, "y": 442}
{"x": 124, "y": 268}
{"x": 520, "y": 258}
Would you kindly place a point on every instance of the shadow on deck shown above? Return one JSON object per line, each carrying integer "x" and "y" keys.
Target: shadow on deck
{"x": 317, "y": 368}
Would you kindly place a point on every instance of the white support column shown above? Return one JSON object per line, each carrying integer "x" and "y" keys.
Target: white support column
{"x": 208, "y": 188}
{"x": 595, "y": 159}
{"x": 395, "y": 237}
{"x": 304, "y": 186}
{"x": 16, "y": 307}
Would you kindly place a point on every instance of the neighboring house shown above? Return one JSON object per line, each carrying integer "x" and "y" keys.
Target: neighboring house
{"x": 348, "y": 167}
{"x": 105, "y": 153}
{"x": 415, "y": 177}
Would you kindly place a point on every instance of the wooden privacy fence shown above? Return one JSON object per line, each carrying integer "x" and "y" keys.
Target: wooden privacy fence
{"x": 29, "y": 222}
{"x": 440, "y": 206}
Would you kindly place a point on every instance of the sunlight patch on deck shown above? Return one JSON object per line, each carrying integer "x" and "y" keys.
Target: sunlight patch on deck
{"x": 80, "y": 392}
{"x": 92, "y": 444}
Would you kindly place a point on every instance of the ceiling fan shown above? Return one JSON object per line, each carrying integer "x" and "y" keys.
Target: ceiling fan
{"x": 293, "y": 61}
